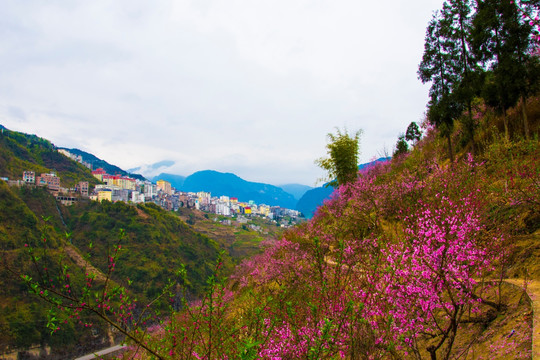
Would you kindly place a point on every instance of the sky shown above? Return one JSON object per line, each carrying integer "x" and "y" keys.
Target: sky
{"x": 250, "y": 87}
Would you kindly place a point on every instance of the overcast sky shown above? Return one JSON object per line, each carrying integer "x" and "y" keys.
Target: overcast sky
{"x": 244, "y": 86}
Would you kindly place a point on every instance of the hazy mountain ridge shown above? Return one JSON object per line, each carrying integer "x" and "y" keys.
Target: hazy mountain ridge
{"x": 177, "y": 181}
{"x": 229, "y": 184}
{"x": 296, "y": 190}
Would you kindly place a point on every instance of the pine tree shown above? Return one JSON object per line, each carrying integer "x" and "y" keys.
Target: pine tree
{"x": 413, "y": 133}
{"x": 438, "y": 67}
{"x": 458, "y": 17}
{"x": 401, "y": 146}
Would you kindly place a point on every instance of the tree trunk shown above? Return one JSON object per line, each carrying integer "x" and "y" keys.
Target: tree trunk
{"x": 524, "y": 113}
{"x": 432, "y": 352}
{"x": 452, "y": 333}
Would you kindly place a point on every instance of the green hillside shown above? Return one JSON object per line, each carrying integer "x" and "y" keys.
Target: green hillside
{"x": 20, "y": 152}
{"x": 404, "y": 262}
{"x": 23, "y": 317}
{"x": 155, "y": 246}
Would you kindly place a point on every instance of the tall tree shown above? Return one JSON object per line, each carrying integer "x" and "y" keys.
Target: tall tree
{"x": 503, "y": 42}
{"x": 438, "y": 67}
{"x": 457, "y": 15}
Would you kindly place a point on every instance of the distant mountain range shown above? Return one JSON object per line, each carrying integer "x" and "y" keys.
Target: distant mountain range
{"x": 292, "y": 196}
{"x": 312, "y": 199}
{"x": 296, "y": 190}
{"x": 229, "y": 184}
{"x": 177, "y": 181}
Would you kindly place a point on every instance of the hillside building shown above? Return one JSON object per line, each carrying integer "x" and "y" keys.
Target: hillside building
{"x": 51, "y": 181}
{"x": 29, "y": 177}
{"x": 99, "y": 173}
{"x": 150, "y": 190}
{"x": 164, "y": 186}
{"x": 121, "y": 181}
{"x": 82, "y": 188}
{"x": 105, "y": 194}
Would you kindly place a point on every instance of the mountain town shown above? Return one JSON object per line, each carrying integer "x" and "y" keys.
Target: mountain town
{"x": 431, "y": 250}
{"x": 122, "y": 188}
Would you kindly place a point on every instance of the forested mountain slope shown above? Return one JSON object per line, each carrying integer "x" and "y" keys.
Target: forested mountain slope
{"x": 39, "y": 236}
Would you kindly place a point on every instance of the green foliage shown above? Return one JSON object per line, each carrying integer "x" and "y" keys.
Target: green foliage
{"x": 413, "y": 133}
{"x": 342, "y": 161}
{"x": 157, "y": 243}
{"x": 20, "y": 152}
{"x": 401, "y": 147}
{"x": 19, "y": 225}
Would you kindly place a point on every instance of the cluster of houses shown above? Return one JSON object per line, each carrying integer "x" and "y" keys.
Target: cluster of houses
{"x": 51, "y": 181}
{"x": 122, "y": 188}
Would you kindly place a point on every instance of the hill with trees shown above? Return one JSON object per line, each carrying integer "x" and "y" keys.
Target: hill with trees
{"x": 407, "y": 260}
{"x": 40, "y": 237}
{"x": 20, "y": 152}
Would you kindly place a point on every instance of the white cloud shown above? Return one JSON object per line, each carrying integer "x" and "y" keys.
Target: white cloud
{"x": 250, "y": 87}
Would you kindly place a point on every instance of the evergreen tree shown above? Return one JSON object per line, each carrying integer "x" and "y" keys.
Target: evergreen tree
{"x": 413, "y": 133}
{"x": 401, "y": 146}
{"x": 457, "y": 15}
{"x": 503, "y": 43}
{"x": 438, "y": 67}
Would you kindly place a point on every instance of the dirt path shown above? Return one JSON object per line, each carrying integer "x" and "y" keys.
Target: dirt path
{"x": 75, "y": 256}
{"x": 106, "y": 351}
{"x": 533, "y": 290}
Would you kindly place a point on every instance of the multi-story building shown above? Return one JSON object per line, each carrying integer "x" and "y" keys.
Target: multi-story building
{"x": 264, "y": 210}
{"x": 204, "y": 198}
{"x": 105, "y": 194}
{"x": 137, "y": 197}
{"x": 82, "y": 188}
{"x": 224, "y": 199}
{"x": 121, "y": 181}
{"x": 77, "y": 158}
{"x": 99, "y": 173}
{"x": 149, "y": 190}
{"x": 164, "y": 186}
{"x": 50, "y": 180}
{"x": 29, "y": 177}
